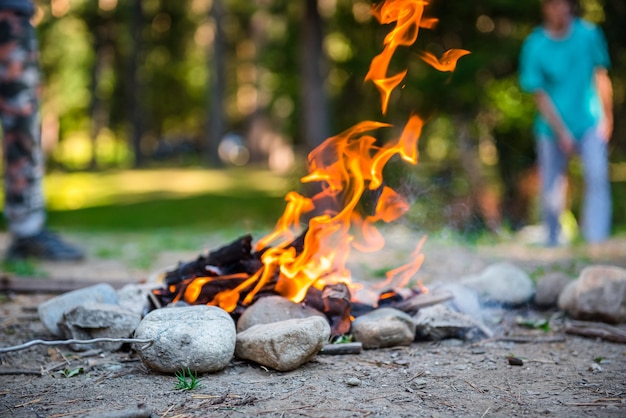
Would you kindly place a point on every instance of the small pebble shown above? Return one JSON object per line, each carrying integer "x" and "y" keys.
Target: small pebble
{"x": 515, "y": 361}
{"x": 452, "y": 342}
{"x": 419, "y": 383}
{"x": 595, "y": 367}
{"x": 353, "y": 381}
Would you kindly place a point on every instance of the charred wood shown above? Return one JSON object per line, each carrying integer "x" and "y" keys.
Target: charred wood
{"x": 334, "y": 302}
{"x": 232, "y": 253}
{"x": 423, "y": 300}
{"x": 341, "y": 349}
{"x": 233, "y": 258}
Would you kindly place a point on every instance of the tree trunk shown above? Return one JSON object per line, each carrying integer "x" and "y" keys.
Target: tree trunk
{"x": 97, "y": 109}
{"x": 135, "y": 87}
{"x": 216, "y": 93}
{"x": 315, "y": 116}
{"x": 258, "y": 124}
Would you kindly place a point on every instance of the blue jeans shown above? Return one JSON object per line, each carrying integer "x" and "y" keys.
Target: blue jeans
{"x": 596, "y": 215}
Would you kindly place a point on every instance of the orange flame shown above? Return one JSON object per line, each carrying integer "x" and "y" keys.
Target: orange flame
{"x": 407, "y": 14}
{"x": 345, "y": 166}
{"x": 448, "y": 60}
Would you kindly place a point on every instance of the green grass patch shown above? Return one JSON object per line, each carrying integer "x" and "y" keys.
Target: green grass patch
{"x": 135, "y": 200}
{"x": 251, "y": 211}
{"x": 25, "y": 268}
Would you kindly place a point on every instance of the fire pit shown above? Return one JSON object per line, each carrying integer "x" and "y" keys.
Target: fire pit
{"x": 308, "y": 265}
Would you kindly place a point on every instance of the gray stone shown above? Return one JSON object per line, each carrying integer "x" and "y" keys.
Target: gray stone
{"x": 598, "y": 294}
{"x": 134, "y": 297}
{"x": 284, "y": 345}
{"x": 270, "y": 309}
{"x": 384, "y": 327}
{"x": 503, "y": 283}
{"x": 549, "y": 287}
{"x": 51, "y": 311}
{"x": 201, "y": 338}
{"x": 99, "y": 320}
{"x": 465, "y": 299}
{"x": 439, "y": 322}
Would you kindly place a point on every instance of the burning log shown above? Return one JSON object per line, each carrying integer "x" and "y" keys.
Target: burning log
{"x": 229, "y": 267}
{"x": 201, "y": 282}
{"x": 233, "y": 258}
{"x": 334, "y": 302}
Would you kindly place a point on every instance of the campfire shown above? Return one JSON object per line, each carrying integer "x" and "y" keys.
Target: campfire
{"x": 262, "y": 309}
{"x": 304, "y": 258}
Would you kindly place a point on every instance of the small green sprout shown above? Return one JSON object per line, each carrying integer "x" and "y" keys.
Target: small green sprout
{"x": 540, "y": 323}
{"x": 71, "y": 372}
{"x": 183, "y": 383}
{"x": 343, "y": 339}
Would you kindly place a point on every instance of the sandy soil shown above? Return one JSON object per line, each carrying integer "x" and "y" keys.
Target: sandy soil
{"x": 572, "y": 377}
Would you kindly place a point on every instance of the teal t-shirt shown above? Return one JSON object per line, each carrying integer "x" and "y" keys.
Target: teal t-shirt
{"x": 565, "y": 70}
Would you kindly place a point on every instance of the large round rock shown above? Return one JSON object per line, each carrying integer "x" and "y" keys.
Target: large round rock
{"x": 201, "y": 338}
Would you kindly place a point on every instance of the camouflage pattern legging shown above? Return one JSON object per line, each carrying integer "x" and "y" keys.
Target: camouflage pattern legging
{"x": 19, "y": 116}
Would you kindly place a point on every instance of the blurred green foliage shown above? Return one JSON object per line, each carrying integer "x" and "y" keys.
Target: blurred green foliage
{"x": 86, "y": 52}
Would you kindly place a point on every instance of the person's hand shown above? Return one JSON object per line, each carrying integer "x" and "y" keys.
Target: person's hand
{"x": 566, "y": 142}
{"x": 605, "y": 128}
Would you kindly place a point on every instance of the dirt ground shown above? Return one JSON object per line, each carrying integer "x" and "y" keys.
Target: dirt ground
{"x": 574, "y": 376}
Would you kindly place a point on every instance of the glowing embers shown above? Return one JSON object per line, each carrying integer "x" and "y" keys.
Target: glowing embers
{"x": 230, "y": 275}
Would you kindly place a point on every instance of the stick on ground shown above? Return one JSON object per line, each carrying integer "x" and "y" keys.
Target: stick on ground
{"x": 68, "y": 342}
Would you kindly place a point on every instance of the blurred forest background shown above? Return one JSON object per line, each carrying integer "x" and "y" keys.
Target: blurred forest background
{"x": 256, "y": 84}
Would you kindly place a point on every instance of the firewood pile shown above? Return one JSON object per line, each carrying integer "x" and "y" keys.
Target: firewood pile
{"x": 200, "y": 282}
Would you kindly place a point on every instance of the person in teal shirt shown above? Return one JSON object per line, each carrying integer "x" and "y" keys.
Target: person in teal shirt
{"x": 564, "y": 64}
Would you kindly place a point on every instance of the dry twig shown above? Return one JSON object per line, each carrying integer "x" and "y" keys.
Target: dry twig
{"x": 596, "y": 330}
{"x": 473, "y": 386}
{"x": 521, "y": 339}
{"x": 40, "y": 285}
{"x": 67, "y": 342}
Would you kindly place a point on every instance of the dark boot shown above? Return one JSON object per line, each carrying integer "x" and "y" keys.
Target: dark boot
{"x": 45, "y": 245}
